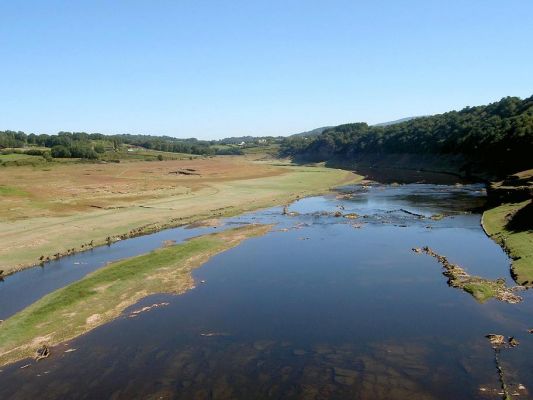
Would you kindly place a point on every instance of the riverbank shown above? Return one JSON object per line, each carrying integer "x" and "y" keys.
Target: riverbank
{"x": 509, "y": 222}
{"x": 50, "y": 214}
{"x": 517, "y": 243}
{"x": 104, "y": 294}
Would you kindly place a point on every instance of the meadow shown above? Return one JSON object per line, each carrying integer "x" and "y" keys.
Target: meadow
{"x": 54, "y": 209}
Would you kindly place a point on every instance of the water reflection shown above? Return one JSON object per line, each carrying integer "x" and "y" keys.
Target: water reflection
{"x": 315, "y": 309}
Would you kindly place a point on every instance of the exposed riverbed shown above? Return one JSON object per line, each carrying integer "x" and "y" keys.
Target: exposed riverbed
{"x": 323, "y": 306}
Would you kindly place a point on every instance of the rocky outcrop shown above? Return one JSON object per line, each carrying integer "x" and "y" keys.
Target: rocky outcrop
{"x": 480, "y": 288}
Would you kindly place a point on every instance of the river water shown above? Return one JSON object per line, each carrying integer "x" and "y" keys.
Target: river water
{"x": 322, "y": 307}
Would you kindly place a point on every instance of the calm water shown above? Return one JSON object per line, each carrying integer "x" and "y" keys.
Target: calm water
{"x": 321, "y": 307}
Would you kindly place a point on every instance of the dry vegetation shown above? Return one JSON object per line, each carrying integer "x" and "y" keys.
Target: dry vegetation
{"x": 55, "y": 210}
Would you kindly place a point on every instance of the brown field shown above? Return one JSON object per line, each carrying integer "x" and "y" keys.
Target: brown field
{"x": 52, "y": 210}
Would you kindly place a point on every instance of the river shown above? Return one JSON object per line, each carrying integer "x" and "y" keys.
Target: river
{"x": 322, "y": 307}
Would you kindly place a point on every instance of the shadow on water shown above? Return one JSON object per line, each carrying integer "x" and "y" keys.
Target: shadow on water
{"x": 322, "y": 307}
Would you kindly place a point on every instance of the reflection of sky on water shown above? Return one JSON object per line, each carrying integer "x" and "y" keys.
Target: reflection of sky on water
{"x": 321, "y": 304}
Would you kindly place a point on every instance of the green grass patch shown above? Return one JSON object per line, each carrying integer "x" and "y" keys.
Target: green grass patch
{"x": 518, "y": 244}
{"x": 105, "y": 293}
{"x": 12, "y": 191}
{"x": 481, "y": 291}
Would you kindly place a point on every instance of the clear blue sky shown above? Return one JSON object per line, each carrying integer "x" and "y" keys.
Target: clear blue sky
{"x": 212, "y": 69}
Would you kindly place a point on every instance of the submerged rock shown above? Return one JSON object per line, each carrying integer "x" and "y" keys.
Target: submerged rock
{"x": 345, "y": 376}
{"x": 135, "y": 313}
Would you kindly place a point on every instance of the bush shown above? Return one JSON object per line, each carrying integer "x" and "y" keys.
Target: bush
{"x": 229, "y": 152}
{"x": 160, "y": 157}
{"x": 60, "y": 151}
{"x": 79, "y": 150}
{"x": 35, "y": 152}
{"x": 99, "y": 148}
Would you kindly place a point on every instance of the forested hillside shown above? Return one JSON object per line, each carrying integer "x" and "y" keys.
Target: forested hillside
{"x": 498, "y": 136}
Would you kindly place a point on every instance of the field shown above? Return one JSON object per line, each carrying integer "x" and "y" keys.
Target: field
{"x": 60, "y": 208}
{"x": 107, "y": 292}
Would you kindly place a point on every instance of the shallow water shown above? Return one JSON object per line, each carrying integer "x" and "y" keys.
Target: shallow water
{"x": 321, "y": 307}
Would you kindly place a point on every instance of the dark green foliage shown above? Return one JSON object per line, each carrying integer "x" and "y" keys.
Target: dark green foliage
{"x": 36, "y": 152}
{"x": 229, "y": 151}
{"x": 60, "y": 151}
{"x": 12, "y": 139}
{"x": 83, "y": 150}
{"x": 499, "y": 134}
{"x": 99, "y": 148}
{"x": 81, "y": 144}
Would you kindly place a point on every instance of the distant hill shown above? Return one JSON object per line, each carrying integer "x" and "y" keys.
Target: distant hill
{"x": 496, "y": 137}
{"x": 398, "y": 121}
{"x": 248, "y": 139}
{"x": 314, "y": 132}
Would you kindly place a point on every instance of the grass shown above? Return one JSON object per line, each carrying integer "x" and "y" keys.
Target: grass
{"x": 104, "y": 294}
{"x": 518, "y": 244}
{"x": 70, "y": 205}
{"x": 11, "y": 191}
{"x": 481, "y": 291}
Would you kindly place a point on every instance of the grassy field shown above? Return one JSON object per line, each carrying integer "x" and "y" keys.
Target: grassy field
{"x": 107, "y": 292}
{"x": 519, "y": 244}
{"x": 51, "y": 211}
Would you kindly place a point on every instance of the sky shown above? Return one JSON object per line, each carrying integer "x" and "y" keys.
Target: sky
{"x": 213, "y": 69}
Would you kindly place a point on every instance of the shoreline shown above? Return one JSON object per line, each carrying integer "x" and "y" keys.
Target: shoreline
{"x": 103, "y": 295}
{"x": 517, "y": 245}
{"x": 348, "y": 177}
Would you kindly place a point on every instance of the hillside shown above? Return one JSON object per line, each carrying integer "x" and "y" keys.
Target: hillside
{"x": 495, "y": 138}
{"x": 396, "y": 121}
{"x": 311, "y": 133}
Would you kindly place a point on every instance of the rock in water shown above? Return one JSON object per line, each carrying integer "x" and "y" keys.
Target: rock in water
{"x": 496, "y": 340}
{"x": 42, "y": 352}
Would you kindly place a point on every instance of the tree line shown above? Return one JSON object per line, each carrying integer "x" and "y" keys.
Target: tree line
{"x": 89, "y": 145}
{"x": 499, "y": 135}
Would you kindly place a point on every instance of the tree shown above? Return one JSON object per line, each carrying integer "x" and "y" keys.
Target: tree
{"x": 99, "y": 148}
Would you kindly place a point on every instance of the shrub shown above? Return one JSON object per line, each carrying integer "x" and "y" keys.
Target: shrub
{"x": 60, "y": 151}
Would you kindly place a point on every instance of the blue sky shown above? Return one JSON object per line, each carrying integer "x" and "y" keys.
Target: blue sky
{"x": 212, "y": 69}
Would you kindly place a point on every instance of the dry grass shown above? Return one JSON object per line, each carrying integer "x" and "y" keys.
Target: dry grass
{"x": 45, "y": 211}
